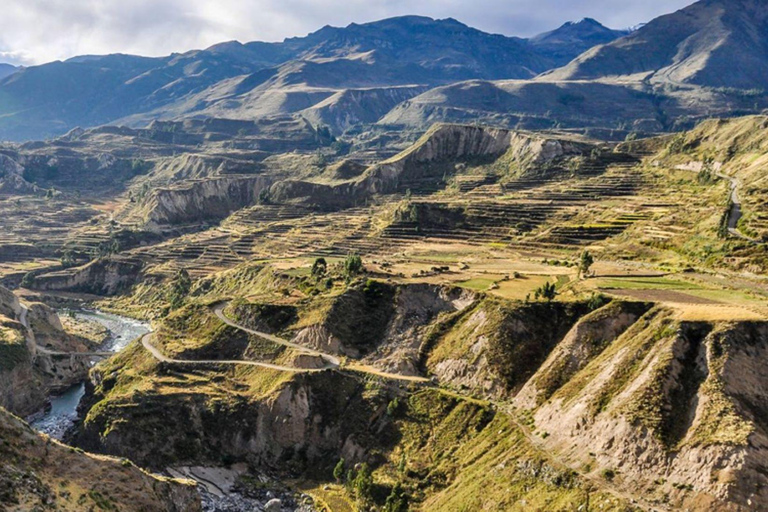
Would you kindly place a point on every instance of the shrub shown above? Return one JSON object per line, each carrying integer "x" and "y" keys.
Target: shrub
{"x": 353, "y": 265}
{"x": 338, "y": 471}
{"x": 319, "y": 267}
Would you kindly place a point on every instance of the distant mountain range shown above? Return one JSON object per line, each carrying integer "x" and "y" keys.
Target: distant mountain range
{"x": 414, "y": 71}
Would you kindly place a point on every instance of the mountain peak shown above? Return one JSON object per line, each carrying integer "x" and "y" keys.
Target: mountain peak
{"x": 574, "y": 36}
{"x": 719, "y": 43}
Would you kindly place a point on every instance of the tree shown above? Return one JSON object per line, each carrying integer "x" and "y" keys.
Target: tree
{"x": 392, "y": 407}
{"x": 585, "y": 263}
{"x": 397, "y": 501}
{"x": 180, "y": 287}
{"x": 547, "y": 291}
{"x": 319, "y": 268}
{"x": 68, "y": 259}
{"x": 363, "y": 483}
{"x": 353, "y": 265}
{"x": 338, "y": 471}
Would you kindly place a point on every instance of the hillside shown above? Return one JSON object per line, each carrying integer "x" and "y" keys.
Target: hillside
{"x": 38, "y": 472}
{"x": 715, "y": 43}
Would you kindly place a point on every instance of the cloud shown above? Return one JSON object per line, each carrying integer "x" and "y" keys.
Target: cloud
{"x": 36, "y": 31}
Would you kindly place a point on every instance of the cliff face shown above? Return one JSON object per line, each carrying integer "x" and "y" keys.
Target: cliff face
{"x": 204, "y": 200}
{"x": 102, "y": 276}
{"x": 12, "y": 178}
{"x": 39, "y": 473}
{"x": 318, "y": 416}
{"x": 28, "y": 372}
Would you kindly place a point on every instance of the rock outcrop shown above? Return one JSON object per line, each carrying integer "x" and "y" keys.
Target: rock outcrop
{"x": 12, "y": 178}
{"x": 105, "y": 276}
{"x": 198, "y": 201}
{"x": 29, "y": 368}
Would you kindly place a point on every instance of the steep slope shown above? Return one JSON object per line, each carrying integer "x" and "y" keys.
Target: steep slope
{"x": 354, "y": 107}
{"x": 665, "y": 409}
{"x": 38, "y": 472}
{"x": 732, "y": 149}
{"x": 718, "y": 43}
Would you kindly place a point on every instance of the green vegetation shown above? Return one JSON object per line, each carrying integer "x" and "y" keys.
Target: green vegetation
{"x": 319, "y": 268}
{"x": 547, "y": 291}
{"x": 338, "y": 470}
{"x": 353, "y": 266}
{"x": 180, "y": 288}
{"x": 585, "y": 263}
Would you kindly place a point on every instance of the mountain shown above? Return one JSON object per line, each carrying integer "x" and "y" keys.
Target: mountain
{"x": 258, "y": 79}
{"x": 574, "y": 38}
{"x": 7, "y": 69}
{"x": 718, "y": 43}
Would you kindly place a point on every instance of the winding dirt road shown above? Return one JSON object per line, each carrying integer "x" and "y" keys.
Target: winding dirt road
{"x": 146, "y": 341}
{"x": 332, "y": 359}
{"x": 332, "y": 362}
{"x": 735, "y": 212}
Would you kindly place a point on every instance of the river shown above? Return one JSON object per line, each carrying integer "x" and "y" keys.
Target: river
{"x": 63, "y": 411}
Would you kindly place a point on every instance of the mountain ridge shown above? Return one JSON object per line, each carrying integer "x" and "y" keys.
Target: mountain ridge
{"x": 229, "y": 78}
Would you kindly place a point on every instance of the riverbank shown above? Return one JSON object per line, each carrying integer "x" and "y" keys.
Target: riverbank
{"x": 61, "y": 414}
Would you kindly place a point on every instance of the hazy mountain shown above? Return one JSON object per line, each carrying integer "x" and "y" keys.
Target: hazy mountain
{"x": 573, "y": 38}
{"x": 246, "y": 80}
{"x": 7, "y": 69}
{"x": 722, "y": 43}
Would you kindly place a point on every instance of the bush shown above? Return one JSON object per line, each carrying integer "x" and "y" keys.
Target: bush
{"x": 397, "y": 501}
{"x": 338, "y": 471}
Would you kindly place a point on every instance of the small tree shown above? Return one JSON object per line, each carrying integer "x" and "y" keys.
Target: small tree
{"x": 396, "y": 501}
{"x": 338, "y": 471}
{"x": 392, "y": 407}
{"x": 585, "y": 263}
{"x": 319, "y": 268}
{"x": 363, "y": 483}
{"x": 264, "y": 197}
{"x": 180, "y": 287}
{"x": 68, "y": 259}
{"x": 547, "y": 291}
{"x": 353, "y": 265}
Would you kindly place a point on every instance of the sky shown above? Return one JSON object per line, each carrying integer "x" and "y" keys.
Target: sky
{"x": 39, "y": 31}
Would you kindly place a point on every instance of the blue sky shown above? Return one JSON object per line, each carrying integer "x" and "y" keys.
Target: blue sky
{"x": 37, "y": 31}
